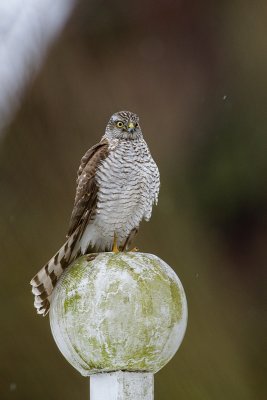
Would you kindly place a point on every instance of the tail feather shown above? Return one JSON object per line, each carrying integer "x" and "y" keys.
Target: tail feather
{"x": 45, "y": 280}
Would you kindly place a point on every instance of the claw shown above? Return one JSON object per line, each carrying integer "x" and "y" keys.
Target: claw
{"x": 135, "y": 249}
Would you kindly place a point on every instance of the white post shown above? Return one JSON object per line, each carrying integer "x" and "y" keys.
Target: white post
{"x": 122, "y": 386}
{"x": 119, "y": 318}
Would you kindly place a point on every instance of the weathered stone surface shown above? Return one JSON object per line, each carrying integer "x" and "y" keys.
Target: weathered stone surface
{"x": 124, "y": 311}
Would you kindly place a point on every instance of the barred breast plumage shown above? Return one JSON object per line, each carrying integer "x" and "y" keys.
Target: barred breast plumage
{"x": 117, "y": 185}
{"x": 128, "y": 182}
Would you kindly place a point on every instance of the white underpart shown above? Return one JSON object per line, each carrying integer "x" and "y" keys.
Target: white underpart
{"x": 128, "y": 181}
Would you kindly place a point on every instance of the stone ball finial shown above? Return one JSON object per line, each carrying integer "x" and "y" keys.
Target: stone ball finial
{"x": 124, "y": 311}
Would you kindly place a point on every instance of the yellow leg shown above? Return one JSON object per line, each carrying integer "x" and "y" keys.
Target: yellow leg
{"x": 115, "y": 248}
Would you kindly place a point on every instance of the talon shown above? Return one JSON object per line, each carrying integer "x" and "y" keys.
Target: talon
{"x": 115, "y": 248}
{"x": 135, "y": 249}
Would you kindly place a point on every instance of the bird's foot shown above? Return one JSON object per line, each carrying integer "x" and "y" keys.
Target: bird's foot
{"x": 134, "y": 250}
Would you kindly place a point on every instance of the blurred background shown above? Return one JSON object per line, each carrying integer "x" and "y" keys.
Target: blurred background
{"x": 195, "y": 72}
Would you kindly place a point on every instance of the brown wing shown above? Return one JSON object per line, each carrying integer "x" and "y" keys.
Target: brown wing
{"x": 86, "y": 192}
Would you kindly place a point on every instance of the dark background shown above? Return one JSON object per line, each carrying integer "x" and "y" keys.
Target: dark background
{"x": 195, "y": 72}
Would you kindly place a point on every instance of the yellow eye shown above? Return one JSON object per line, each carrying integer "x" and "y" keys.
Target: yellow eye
{"x": 119, "y": 124}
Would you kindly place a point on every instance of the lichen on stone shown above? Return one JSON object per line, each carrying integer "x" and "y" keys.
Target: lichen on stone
{"x": 124, "y": 311}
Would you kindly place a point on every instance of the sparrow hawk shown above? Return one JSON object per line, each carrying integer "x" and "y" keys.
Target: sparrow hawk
{"x": 117, "y": 185}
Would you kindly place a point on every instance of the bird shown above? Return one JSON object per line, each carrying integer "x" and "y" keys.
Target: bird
{"x": 117, "y": 185}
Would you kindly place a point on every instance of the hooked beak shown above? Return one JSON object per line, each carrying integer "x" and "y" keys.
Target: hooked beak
{"x": 131, "y": 127}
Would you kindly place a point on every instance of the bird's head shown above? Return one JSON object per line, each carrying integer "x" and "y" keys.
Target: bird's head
{"x": 124, "y": 125}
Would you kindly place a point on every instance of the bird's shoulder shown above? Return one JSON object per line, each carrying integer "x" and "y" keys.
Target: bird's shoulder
{"x": 92, "y": 157}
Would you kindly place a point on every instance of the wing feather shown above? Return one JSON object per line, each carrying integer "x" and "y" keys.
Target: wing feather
{"x": 86, "y": 191}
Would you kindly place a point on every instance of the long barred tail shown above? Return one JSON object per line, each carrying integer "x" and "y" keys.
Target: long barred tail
{"x": 45, "y": 280}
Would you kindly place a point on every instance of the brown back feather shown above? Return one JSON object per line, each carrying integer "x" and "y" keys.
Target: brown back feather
{"x": 84, "y": 206}
{"x": 86, "y": 192}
